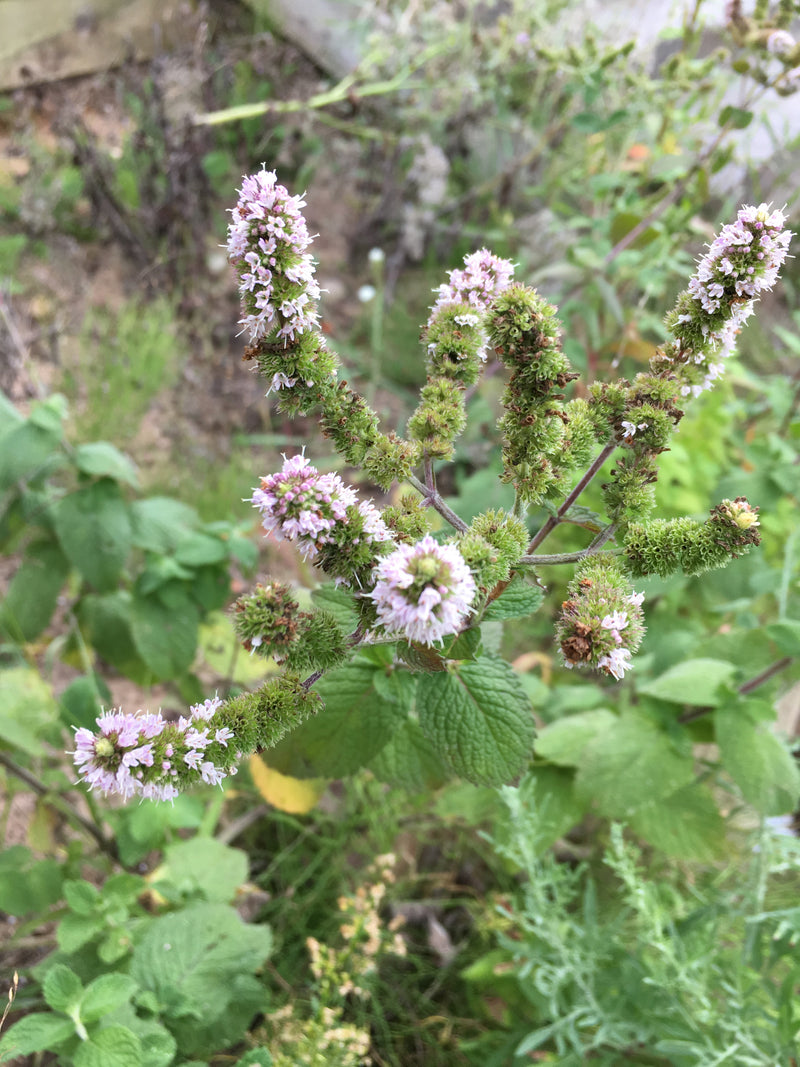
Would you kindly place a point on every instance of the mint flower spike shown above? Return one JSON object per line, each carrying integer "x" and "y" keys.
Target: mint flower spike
{"x": 324, "y": 517}
{"x": 484, "y": 276}
{"x": 267, "y": 243}
{"x": 145, "y": 755}
{"x": 423, "y": 592}
{"x": 743, "y": 261}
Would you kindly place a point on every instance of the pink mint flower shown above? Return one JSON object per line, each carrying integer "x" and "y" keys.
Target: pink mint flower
{"x": 423, "y": 591}
{"x": 267, "y": 243}
{"x": 483, "y": 278}
{"x": 300, "y": 504}
{"x": 616, "y": 662}
{"x": 742, "y": 262}
{"x": 138, "y": 755}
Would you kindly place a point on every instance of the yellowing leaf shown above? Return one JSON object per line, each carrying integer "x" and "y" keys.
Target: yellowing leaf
{"x": 297, "y": 796}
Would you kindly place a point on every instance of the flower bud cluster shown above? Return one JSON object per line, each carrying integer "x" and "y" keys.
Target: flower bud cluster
{"x": 456, "y": 345}
{"x": 267, "y": 243}
{"x": 742, "y": 262}
{"x": 268, "y": 621}
{"x": 492, "y": 546}
{"x": 601, "y": 622}
{"x": 663, "y": 546}
{"x": 323, "y": 516}
{"x": 423, "y": 592}
{"x": 151, "y": 757}
{"x": 525, "y": 334}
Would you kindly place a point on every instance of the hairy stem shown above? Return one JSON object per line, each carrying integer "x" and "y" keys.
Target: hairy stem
{"x": 434, "y": 500}
{"x": 554, "y": 520}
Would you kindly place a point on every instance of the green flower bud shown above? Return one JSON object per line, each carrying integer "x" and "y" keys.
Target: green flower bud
{"x": 439, "y": 418}
{"x": 407, "y": 519}
{"x": 390, "y": 459}
{"x": 321, "y": 644}
{"x": 455, "y": 342}
{"x": 506, "y": 533}
{"x": 663, "y": 546}
{"x": 266, "y": 620}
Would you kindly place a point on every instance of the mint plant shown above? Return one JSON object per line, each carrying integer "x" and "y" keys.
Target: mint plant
{"x": 400, "y": 650}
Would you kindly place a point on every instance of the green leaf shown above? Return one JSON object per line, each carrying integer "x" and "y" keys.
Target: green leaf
{"x": 35, "y": 1033}
{"x": 363, "y": 708}
{"x": 465, "y": 645}
{"x": 94, "y": 529}
{"x": 190, "y": 959}
{"x": 478, "y": 719}
{"x": 159, "y": 523}
{"x": 62, "y": 989}
{"x": 75, "y": 931}
{"x": 101, "y": 458}
{"x": 105, "y": 994}
{"x": 113, "y": 1046}
{"x": 563, "y": 741}
{"x": 82, "y": 897}
{"x": 26, "y": 452}
{"x": 517, "y": 601}
{"x": 27, "y": 707}
{"x": 409, "y": 760}
{"x": 258, "y": 1057}
{"x": 83, "y": 700}
{"x": 165, "y": 637}
{"x": 339, "y": 603}
{"x": 28, "y": 885}
{"x": 199, "y": 549}
{"x": 738, "y": 117}
{"x": 756, "y": 759}
{"x": 631, "y": 764}
{"x": 696, "y": 681}
{"x": 33, "y": 592}
{"x": 686, "y": 824}
{"x": 786, "y": 635}
{"x": 107, "y": 624}
{"x": 205, "y": 864}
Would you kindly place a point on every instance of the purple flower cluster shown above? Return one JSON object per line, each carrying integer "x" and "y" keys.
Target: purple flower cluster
{"x": 484, "y": 276}
{"x": 267, "y": 242}
{"x": 742, "y": 262}
{"x": 423, "y": 591}
{"x": 300, "y": 504}
{"x": 145, "y": 755}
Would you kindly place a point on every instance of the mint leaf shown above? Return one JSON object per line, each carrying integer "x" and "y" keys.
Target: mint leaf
{"x": 192, "y": 956}
{"x": 363, "y": 707}
{"x": 33, "y": 592}
{"x": 478, "y": 719}
{"x": 165, "y": 637}
{"x": 62, "y": 989}
{"x": 694, "y": 682}
{"x": 409, "y": 760}
{"x": 35, "y": 1033}
{"x": 564, "y": 741}
{"x": 686, "y": 824}
{"x": 74, "y": 931}
{"x": 631, "y": 764}
{"x": 756, "y": 759}
{"x": 102, "y": 458}
{"x": 517, "y": 601}
{"x": 114, "y": 1046}
{"x": 94, "y": 529}
{"x": 205, "y": 864}
{"x": 104, "y": 995}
